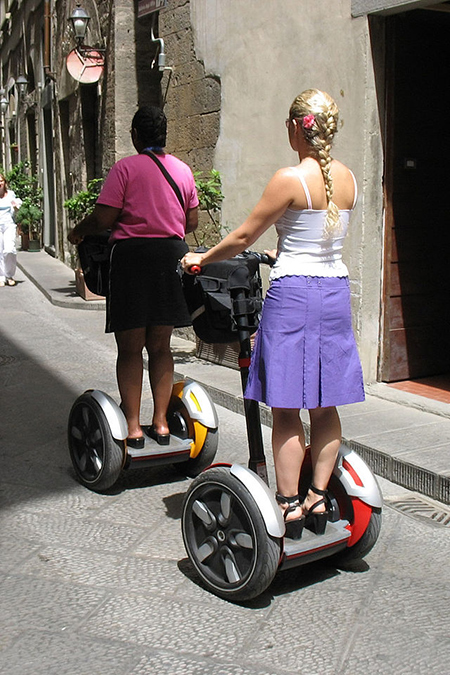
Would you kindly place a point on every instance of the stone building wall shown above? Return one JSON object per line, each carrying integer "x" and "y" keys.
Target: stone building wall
{"x": 194, "y": 95}
{"x": 193, "y": 104}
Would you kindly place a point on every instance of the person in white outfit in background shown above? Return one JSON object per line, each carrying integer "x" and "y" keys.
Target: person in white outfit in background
{"x": 9, "y": 203}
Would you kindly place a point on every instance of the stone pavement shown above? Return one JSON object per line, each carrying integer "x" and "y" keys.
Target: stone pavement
{"x": 100, "y": 584}
{"x": 403, "y": 437}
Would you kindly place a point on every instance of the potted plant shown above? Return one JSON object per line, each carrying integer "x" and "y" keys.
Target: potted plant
{"x": 80, "y": 205}
{"x": 29, "y": 216}
{"x": 29, "y": 219}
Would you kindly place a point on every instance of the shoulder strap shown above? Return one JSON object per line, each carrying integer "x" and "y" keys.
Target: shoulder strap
{"x": 166, "y": 175}
{"x": 356, "y": 189}
{"x": 305, "y": 188}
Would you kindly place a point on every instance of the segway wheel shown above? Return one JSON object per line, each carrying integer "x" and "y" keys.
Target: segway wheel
{"x": 225, "y": 537}
{"x": 363, "y": 546}
{"x": 181, "y": 425}
{"x": 96, "y": 456}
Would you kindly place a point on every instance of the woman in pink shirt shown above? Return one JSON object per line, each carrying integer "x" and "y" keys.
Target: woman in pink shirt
{"x": 148, "y": 222}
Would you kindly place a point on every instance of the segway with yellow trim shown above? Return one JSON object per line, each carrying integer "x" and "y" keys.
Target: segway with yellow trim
{"x": 97, "y": 433}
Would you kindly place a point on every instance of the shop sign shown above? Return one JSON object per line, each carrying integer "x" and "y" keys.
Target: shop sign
{"x": 149, "y": 6}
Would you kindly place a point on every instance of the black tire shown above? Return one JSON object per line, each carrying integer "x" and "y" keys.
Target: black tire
{"x": 195, "y": 465}
{"x": 96, "y": 456}
{"x": 225, "y": 537}
{"x": 181, "y": 425}
{"x": 363, "y": 545}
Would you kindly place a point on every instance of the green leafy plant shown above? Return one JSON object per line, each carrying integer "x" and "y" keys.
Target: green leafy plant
{"x": 82, "y": 203}
{"x": 25, "y": 184}
{"x": 29, "y": 218}
{"x": 209, "y": 190}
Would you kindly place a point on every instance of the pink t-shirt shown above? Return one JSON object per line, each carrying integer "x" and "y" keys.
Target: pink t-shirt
{"x": 149, "y": 206}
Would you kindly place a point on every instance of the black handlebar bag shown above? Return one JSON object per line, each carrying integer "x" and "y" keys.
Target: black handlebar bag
{"x": 94, "y": 252}
{"x": 210, "y": 298}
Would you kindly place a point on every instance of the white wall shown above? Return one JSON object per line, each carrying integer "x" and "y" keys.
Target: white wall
{"x": 265, "y": 54}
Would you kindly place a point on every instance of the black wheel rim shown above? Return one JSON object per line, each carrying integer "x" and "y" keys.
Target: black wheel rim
{"x": 87, "y": 443}
{"x": 220, "y": 536}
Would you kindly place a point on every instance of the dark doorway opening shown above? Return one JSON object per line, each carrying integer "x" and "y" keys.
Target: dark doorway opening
{"x": 416, "y": 300}
{"x": 89, "y": 113}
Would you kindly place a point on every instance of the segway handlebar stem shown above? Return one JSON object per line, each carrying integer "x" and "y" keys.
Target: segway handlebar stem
{"x": 257, "y": 460}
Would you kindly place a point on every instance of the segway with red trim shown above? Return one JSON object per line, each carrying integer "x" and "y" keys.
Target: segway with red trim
{"x": 232, "y": 526}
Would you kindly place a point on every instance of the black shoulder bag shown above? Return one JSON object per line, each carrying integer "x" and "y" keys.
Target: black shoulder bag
{"x": 94, "y": 250}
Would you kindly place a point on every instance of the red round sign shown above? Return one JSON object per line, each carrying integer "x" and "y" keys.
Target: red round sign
{"x": 85, "y": 65}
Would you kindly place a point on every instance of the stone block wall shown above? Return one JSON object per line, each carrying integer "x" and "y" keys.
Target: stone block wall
{"x": 193, "y": 98}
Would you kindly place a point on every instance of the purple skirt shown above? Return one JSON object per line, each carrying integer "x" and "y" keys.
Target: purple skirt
{"x": 305, "y": 355}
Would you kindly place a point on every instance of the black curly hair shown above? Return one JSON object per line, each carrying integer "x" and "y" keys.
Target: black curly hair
{"x": 150, "y": 123}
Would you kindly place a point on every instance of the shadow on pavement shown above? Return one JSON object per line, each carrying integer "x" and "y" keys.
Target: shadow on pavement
{"x": 287, "y": 581}
{"x": 35, "y": 404}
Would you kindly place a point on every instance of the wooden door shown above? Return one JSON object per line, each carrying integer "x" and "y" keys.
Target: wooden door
{"x": 416, "y": 307}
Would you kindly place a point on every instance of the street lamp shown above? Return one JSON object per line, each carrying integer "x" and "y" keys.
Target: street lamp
{"x": 4, "y": 103}
{"x": 22, "y": 84}
{"x": 80, "y": 20}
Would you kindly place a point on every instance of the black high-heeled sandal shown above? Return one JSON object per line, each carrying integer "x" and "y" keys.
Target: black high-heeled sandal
{"x": 316, "y": 522}
{"x": 294, "y": 527}
{"x": 161, "y": 439}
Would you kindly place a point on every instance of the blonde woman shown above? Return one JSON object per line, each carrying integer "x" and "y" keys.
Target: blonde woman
{"x": 9, "y": 203}
{"x": 305, "y": 354}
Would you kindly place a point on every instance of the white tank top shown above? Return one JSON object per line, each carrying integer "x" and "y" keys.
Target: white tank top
{"x": 302, "y": 247}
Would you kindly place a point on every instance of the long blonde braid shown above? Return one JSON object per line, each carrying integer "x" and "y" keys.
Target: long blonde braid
{"x": 318, "y": 114}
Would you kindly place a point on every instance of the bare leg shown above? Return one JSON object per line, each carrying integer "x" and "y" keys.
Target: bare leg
{"x": 129, "y": 369}
{"x": 325, "y": 442}
{"x": 160, "y": 368}
{"x": 288, "y": 443}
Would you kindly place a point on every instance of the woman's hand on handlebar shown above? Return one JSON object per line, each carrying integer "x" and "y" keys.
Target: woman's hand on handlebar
{"x": 190, "y": 260}
{"x": 272, "y": 254}
{"x": 73, "y": 237}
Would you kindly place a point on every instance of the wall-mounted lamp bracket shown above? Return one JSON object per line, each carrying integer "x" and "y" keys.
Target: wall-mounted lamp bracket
{"x": 92, "y": 53}
{"x": 84, "y": 63}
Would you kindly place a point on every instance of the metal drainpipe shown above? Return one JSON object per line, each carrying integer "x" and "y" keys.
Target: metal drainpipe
{"x": 47, "y": 19}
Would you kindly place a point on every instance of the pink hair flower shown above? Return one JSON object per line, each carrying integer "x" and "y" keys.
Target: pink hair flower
{"x": 308, "y": 121}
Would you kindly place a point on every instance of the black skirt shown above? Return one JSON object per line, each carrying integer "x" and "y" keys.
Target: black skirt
{"x": 144, "y": 284}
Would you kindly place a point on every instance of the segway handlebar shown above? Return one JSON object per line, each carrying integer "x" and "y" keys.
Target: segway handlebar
{"x": 263, "y": 259}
